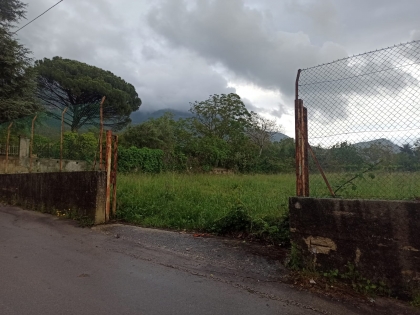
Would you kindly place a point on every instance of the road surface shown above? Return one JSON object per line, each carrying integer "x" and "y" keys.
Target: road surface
{"x": 50, "y": 266}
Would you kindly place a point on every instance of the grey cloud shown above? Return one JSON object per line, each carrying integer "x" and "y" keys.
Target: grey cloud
{"x": 415, "y": 35}
{"x": 169, "y": 49}
{"x": 175, "y": 80}
{"x": 326, "y": 89}
{"x": 77, "y": 29}
{"x": 95, "y": 33}
{"x": 322, "y": 13}
{"x": 230, "y": 33}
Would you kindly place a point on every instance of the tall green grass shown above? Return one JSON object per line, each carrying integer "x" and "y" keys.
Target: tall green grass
{"x": 376, "y": 185}
{"x": 254, "y": 204}
{"x": 203, "y": 202}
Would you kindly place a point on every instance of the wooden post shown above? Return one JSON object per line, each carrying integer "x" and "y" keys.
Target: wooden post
{"x": 298, "y": 142}
{"x": 101, "y": 131}
{"x": 114, "y": 177}
{"x": 7, "y": 147}
{"x": 305, "y": 160}
{"x": 108, "y": 173}
{"x": 32, "y": 144}
{"x": 61, "y": 139}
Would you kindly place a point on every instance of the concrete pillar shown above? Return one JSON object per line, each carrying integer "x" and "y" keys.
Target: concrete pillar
{"x": 24, "y": 147}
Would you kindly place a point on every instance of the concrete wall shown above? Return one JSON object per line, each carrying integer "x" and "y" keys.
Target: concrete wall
{"x": 380, "y": 238}
{"x": 21, "y": 165}
{"x": 81, "y": 193}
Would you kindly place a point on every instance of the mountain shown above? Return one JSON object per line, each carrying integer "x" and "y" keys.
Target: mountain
{"x": 379, "y": 142}
{"x": 141, "y": 116}
{"x": 278, "y": 136}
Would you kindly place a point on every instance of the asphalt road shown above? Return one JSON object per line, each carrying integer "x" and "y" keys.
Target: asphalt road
{"x": 51, "y": 266}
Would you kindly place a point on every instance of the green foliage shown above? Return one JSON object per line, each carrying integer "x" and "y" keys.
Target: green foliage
{"x": 156, "y": 133}
{"x": 222, "y": 116}
{"x": 236, "y": 221}
{"x": 416, "y": 298}
{"x": 218, "y": 131}
{"x": 75, "y": 146}
{"x": 17, "y": 77}
{"x": 80, "y": 146}
{"x": 140, "y": 160}
{"x": 358, "y": 282}
{"x": 250, "y": 206}
{"x": 11, "y": 11}
{"x": 80, "y": 87}
{"x": 295, "y": 261}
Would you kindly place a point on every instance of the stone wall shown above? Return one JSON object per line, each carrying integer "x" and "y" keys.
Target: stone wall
{"x": 76, "y": 193}
{"x": 40, "y": 165}
{"x": 380, "y": 238}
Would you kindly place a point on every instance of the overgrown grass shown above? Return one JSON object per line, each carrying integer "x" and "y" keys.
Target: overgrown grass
{"x": 376, "y": 185}
{"x": 251, "y": 205}
{"x": 255, "y": 205}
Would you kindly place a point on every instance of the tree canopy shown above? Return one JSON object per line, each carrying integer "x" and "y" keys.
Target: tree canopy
{"x": 221, "y": 116}
{"x": 17, "y": 77}
{"x": 11, "y": 11}
{"x": 80, "y": 87}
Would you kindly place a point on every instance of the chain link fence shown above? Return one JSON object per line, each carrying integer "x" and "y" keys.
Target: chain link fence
{"x": 46, "y": 147}
{"x": 364, "y": 123}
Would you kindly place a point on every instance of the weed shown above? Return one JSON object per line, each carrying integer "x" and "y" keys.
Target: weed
{"x": 416, "y": 298}
{"x": 358, "y": 282}
{"x": 294, "y": 261}
{"x": 254, "y": 206}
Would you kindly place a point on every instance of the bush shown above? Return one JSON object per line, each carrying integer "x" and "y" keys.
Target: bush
{"x": 140, "y": 160}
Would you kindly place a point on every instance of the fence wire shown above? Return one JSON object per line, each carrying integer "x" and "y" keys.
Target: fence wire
{"x": 41, "y": 152}
{"x": 364, "y": 123}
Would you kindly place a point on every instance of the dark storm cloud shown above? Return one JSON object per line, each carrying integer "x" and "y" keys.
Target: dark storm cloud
{"x": 171, "y": 50}
{"x": 99, "y": 33}
{"x": 230, "y": 33}
{"x": 234, "y": 34}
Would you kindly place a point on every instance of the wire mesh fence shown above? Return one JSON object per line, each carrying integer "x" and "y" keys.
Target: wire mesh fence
{"x": 41, "y": 144}
{"x": 364, "y": 123}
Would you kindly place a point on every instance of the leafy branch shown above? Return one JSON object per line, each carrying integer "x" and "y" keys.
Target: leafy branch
{"x": 358, "y": 175}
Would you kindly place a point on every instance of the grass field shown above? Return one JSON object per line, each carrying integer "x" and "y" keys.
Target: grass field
{"x": 253, "y": 204}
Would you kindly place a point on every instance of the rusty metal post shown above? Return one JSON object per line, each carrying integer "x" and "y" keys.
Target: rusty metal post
{"x": 32, "y": 144}
{"x": 321, "y": 171}
{"x": 305, "y": 144}
{"x": 114, "y": 177}
{"x": 298, "y": 142}
{"x": 108, "y": 173}
{"x": 7, "y": 147}
{"x": 101, "y": 131}
{"x": 61, "y": 139}
{"x": 298, "y": 149}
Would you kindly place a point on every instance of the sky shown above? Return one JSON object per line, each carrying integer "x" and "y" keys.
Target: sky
{"x": 179, "y": 51}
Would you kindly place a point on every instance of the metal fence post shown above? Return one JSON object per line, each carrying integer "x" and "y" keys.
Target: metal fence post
{"x": 61, "y": 139}
{"x": 7, "y": 147}
{"x": 108, "y": 174}
{"x": 114, "y": 177}
{"x": 304, "y": 146}
{"x": 101, "y": 131}
{"x": 32, "y": 144}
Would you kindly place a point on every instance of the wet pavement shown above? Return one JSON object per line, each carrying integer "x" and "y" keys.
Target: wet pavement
{"x": 50, "y": 266}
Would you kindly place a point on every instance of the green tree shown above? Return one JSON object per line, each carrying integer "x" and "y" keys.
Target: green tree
{"x": 17, "y": 77}
{"x": 261, "y": 131}
{"x": 163, "y": 133}
{"x": 219, "y": 130}
{"x": 408, "y": 159}
{"x": 344, "y": 157}
{"x": 155, "y": 133}
{"x": 80, "y": 87}
{"x": 222, "y": 116}
{"x": 10, "y": 12}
